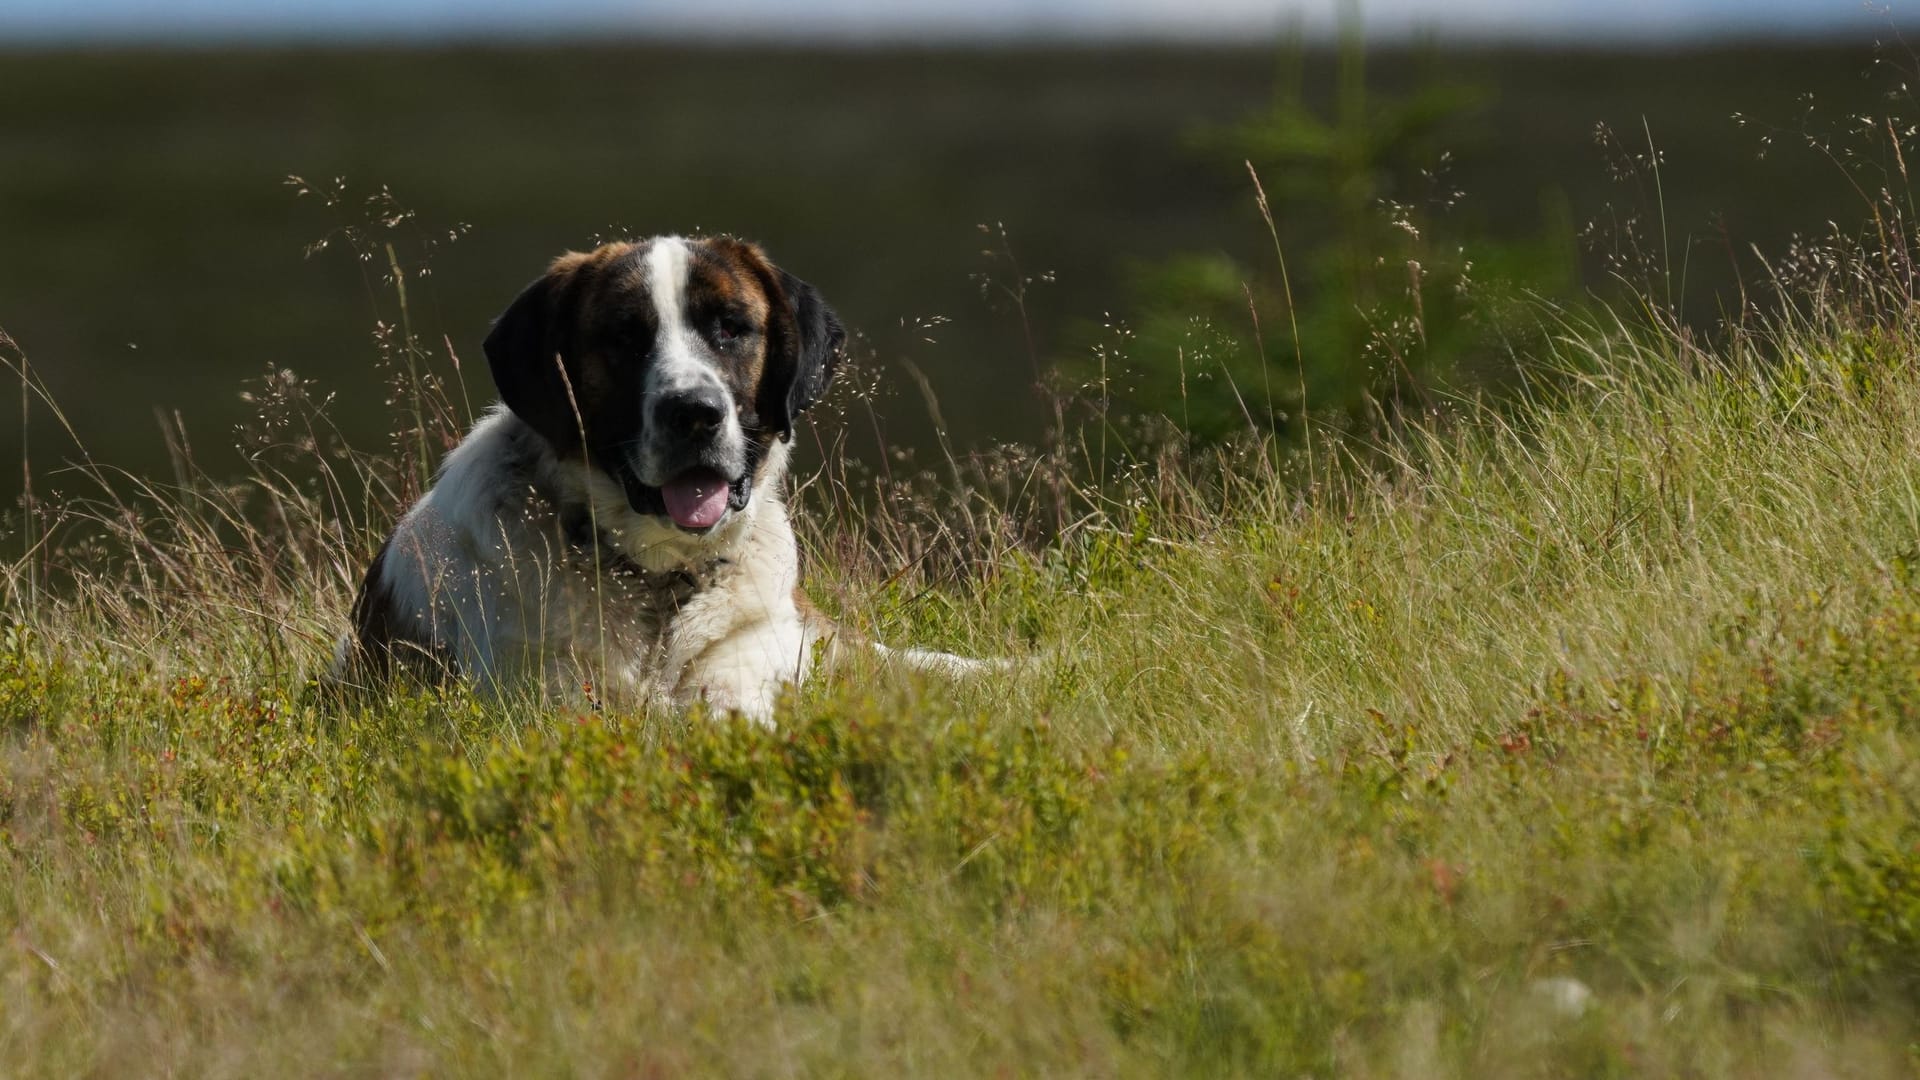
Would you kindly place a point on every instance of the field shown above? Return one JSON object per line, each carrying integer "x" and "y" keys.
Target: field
{"x": 1576, "y": 739}
{"x": 1570, "y": 731}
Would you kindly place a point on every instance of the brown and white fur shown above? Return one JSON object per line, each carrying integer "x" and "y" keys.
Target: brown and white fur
{"x": 576, "y": 536}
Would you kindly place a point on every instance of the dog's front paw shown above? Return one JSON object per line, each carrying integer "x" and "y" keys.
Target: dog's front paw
{"x": 756, "y": 702}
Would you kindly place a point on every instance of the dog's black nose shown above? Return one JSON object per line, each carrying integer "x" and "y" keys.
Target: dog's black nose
{"x": 691, "y": 412}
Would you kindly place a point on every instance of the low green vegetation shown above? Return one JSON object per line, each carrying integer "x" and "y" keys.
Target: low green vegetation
{"x": 1579, "y": 739}
{"x": 1392, "y": 300}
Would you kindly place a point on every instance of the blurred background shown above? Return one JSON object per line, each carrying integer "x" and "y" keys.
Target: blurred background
{"x": 994, "y": 193}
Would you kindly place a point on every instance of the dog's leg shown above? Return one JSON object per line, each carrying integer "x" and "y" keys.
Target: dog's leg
{"x": 946, "y": 664}
{"x": 932, "y": 661}
{"x": 746, "y": 669}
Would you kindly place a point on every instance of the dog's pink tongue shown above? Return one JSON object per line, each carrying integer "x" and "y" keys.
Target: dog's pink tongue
{"x": 696, "y": 499}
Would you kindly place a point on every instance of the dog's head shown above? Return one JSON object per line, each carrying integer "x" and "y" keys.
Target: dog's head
{"x": 671, "y": 364}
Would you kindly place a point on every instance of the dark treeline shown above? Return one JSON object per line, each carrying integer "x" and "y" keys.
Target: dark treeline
{"x": 153, "y": 257}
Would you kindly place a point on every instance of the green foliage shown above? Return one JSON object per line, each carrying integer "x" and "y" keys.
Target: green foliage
{"x": 836, "y": 806}
{"x": 1377, "y": 298}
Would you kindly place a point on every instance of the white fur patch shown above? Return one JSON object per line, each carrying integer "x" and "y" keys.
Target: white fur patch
{"x": 679, "y": 365}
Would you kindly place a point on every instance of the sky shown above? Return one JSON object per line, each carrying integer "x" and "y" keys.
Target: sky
{"x": 51, "y": 21}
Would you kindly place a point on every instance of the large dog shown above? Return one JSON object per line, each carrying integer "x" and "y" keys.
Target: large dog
{"x": 619, "y": 520}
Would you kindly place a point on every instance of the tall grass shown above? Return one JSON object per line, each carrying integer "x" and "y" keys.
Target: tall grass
{"x": 1571, "y": 738}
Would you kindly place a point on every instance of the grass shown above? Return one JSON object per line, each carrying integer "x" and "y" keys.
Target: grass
{"x": 1369, "y": 769}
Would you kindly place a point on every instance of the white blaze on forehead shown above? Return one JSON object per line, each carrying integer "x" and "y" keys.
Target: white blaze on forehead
{"x": 667, "y": 262}
{"x": 679, "y": 363}
{"x": 677, "y": 367}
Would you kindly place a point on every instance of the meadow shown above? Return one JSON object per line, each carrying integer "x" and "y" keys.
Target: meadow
{"x": 1570, "y": 731}
{"x": 1576, "y": 737}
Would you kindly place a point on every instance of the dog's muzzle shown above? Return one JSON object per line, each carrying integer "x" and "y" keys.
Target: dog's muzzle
{"x": 697, "y": 457}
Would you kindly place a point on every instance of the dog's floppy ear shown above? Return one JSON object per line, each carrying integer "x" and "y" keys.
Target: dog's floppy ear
{"x": 526, "y": 353}
{"x": 811, "y": 349}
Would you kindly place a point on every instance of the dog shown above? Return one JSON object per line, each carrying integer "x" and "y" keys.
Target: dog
{"x": 618, "y": 522}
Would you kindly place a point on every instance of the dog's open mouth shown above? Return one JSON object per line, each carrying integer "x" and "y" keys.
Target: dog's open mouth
{"x": 695, "y": 499}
